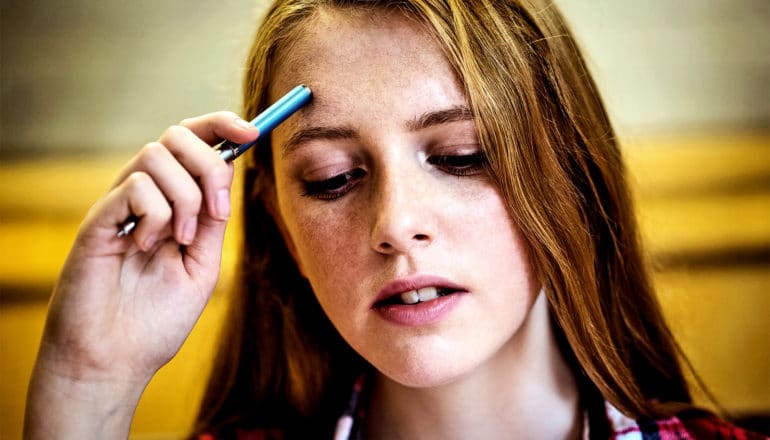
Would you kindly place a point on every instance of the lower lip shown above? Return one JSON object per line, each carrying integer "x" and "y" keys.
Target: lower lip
{"x": 424, "y": 313}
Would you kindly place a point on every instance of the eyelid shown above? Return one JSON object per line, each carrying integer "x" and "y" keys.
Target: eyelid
{"x": 460, "y": 164}
{"x": 456, "y": 149}
{"x": 317, "y": 163}
{"x": 323, "y": 173}
{"x": 325, "y": 189}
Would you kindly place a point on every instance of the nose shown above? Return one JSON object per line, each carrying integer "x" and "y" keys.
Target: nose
{"x": 403, "y": 215}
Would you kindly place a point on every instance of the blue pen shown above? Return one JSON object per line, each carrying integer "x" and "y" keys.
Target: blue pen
{"x": 268, "y": 120}
{"x": 265, "y": 122}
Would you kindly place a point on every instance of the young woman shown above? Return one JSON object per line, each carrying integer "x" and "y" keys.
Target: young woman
{"x": 440, "y": 245}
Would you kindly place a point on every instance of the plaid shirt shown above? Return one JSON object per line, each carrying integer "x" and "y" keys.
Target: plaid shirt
{"x": 690, "y": 425}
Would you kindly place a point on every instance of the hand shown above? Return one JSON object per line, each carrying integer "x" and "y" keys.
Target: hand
{"x": 123, "y": 306}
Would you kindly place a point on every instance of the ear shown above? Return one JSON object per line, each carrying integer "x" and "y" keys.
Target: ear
{"x": 269, "y": 198}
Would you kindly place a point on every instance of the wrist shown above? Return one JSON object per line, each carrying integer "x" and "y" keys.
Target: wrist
{"x": 86, "y": 362}
{"x": 76, "y": 406}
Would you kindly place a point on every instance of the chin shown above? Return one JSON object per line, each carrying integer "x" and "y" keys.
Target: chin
{"x": 424, "y": 369}
{"x": 421, "y": 378}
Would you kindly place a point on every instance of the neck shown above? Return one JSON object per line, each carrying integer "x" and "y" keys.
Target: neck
{"x": 526, "y": 390}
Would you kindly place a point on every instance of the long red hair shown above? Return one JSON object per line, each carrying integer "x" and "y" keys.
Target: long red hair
{"x": 552, "y": 153}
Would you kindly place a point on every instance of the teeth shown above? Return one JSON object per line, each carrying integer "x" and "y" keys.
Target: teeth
{"x": 410, "y": 297}
{"x": 427, "y": 294}
{"x": 419, "y": 295}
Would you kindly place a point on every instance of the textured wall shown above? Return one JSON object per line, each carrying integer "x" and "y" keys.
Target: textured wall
{"x": 111, "y": 74}
{"x": 677, "y": 66}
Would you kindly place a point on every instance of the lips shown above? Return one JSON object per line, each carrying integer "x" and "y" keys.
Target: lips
{"x": 415, "y": 290}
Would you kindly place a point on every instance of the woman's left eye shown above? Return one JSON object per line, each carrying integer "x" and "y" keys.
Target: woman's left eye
{"x": 460, "y": 165}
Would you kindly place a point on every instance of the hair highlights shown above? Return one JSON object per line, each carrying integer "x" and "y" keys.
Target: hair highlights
{"x": 553, "y": 155}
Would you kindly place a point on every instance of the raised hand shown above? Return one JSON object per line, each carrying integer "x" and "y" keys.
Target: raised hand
{"x": 123, "y": 306}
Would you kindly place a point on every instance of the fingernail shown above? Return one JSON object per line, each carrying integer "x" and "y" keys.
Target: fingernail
{"x": 150, "y": 242}
{"x": 223, "y": 203}
{"x": 188, "y": 230}
{"x": 243, "y": 124}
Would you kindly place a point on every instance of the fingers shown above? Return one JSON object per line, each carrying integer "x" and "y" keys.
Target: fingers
{"x": 204, "y": 164}
{"x": 137, "y": 195}
{"x": 177, "y": 184}
{"x": 213, "y": 127}
{"x": 146, "y": 201}
{"x": 206, "y": 250}
{"x": 187, "y": 174}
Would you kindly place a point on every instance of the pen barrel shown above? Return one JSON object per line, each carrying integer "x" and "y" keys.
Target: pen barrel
{"x": 268, "y": 120}
{"x": 265, "y": 122}
{"x": 282, "y": 109}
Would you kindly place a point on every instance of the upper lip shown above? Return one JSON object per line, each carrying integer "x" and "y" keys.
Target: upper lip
{"x": 414, "y": 282}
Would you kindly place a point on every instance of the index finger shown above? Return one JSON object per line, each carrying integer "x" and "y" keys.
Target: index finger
{"x": 278, "y": 112}
{"x": 214, "y": 127}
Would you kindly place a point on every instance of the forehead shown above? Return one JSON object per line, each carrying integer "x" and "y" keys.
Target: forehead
{"x": 350, "y": 54}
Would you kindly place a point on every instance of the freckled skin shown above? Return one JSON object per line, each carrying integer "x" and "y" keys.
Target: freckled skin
{"x": 374, "y": 75}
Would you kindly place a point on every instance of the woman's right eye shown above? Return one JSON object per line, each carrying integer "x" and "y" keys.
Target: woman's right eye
{"x": 334, "y": 187}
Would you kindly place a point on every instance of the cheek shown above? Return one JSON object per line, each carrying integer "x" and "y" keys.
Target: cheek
{"x": 497, "y": 243}
{"x": 329, "y": 246}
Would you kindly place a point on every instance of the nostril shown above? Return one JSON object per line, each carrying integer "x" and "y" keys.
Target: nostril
{"x": 420, "y": 237}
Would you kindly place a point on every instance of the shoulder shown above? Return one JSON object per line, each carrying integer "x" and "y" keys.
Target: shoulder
{"x": 695, "y": 424}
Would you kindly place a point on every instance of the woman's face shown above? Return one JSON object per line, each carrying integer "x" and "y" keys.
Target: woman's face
{"x": 384, "y": 201}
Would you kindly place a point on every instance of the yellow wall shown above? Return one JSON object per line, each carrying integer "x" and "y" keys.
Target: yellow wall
{"x": 704, "y": 204}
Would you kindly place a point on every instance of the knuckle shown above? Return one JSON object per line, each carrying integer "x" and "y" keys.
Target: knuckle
{"x": 225, "y": 115}
{"x": 187, "y": 122}
{"x": 159, "y": 213}
{"x": 219, "y": 171}
{"x": 164, "y": 211}
{"x": 138, "y": 180}
{"x": 151, "y": 152}
{"x": 189, "y": 200}
{"x": 216, "y": 117}
{"x": 175, "y": 133}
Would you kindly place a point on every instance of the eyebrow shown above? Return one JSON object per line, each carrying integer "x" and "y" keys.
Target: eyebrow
{"x": 453, "y": 114}
{"x": 316, "y": 133}
{"x": 426, "y": 120}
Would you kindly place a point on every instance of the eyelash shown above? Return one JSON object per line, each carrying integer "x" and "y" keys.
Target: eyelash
{"x": 334, "y": 187}
{"x": 460, "y": 165}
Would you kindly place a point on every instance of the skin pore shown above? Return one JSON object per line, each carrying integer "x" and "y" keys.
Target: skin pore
{"x": 381, "y": 181}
